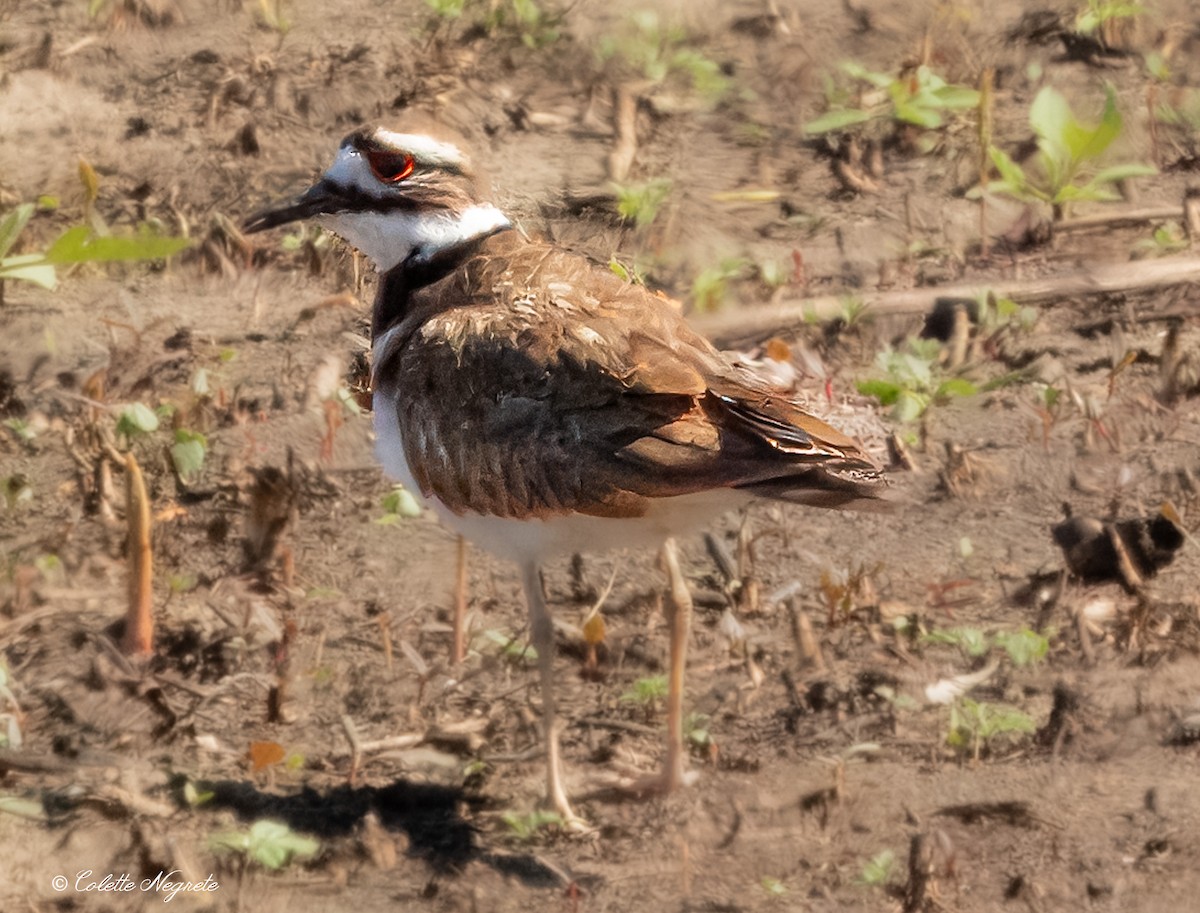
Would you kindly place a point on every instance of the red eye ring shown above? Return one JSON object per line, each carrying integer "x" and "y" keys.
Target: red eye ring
{"x": 390, "y": 167}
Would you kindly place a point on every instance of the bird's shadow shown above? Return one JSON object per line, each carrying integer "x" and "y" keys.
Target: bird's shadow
{"x": 429, "y": 815}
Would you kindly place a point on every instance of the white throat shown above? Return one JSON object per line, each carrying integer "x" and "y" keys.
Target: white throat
{"x": 390, "y": 238}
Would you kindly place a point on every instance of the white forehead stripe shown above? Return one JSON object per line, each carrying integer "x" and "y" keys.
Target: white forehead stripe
{"x": 423, "y": 148}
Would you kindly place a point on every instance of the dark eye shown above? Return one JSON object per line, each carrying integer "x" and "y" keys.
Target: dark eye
{"x": 390, "y": 167}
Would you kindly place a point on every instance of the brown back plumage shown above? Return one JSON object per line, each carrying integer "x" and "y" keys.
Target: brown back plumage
{"x": 531, "y": 383}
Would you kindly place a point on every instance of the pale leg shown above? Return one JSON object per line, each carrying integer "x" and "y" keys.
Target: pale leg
{"x": 679, "y": 621}
{"x": 458, "y": 650}
{"x": 542, "y": 635}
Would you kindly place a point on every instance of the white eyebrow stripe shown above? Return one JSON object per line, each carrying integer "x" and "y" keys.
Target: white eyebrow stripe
{"x": 423, "y": 148}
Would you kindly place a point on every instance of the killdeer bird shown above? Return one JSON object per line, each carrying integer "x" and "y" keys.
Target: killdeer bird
{"x": 543, "y": 406}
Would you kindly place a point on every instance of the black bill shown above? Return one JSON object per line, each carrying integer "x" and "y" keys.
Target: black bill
{"x": 322, "y": 197}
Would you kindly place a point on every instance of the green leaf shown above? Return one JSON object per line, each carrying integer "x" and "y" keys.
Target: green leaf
{"x": 971, "y": 641}
{"x": 1050, "y": 116}
{"x": 273, "y": 845}
{"x": 877, "y": 871}
{"x": 640, "y": 202}
{"x": 1121, "y": 172}
{"x": 773, "y": 886}
{"x": 956, "y": 386}
{"x": 646, "y": 690}
{"x": 12, "y": 225}
{"x": 29, "y": 268}
{"x": 269, "y": 843}
{"x": 188, "y": 452}
{"x": 915, "y": 114}
{"x": 398, "y": 504}
{"x": 526, "y": 826}
{"x": 858, "y": 71}
{"x": 69, "y": 246}
{"x": 78, "y": 245}
{"x": 1024, "y": 647}
{"x": 885, "y": 391}
{"x": 958, "y": 97}
{"x": 194, "y": 796}
{"x": 909, "y": 406}
{"x": 135, "y": 419}
{"x": 1073, "y": 193}
{"x": 838, "y": 119}
{"x": 1089, "y": 144}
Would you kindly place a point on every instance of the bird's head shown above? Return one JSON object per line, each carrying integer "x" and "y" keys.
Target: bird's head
{"x": 397, "y": 197}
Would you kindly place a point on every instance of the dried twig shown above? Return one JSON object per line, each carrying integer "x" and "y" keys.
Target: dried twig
{"x": 139, "y": 620}
{"x": 1098, "y": 279}
{"x": 806, "y": 642}
{"x": 920, "y": 871}
{"x": 620, "y": 160}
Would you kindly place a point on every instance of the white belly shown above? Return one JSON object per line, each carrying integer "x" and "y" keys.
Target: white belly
{"x": 536, "y": 540}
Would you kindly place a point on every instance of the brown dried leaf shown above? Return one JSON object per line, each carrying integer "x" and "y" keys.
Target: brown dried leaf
{"x": 264, "y": 755}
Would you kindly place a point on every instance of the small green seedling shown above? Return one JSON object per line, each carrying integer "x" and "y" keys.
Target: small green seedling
{"x": 136, "y": 420}
{"x": 196, "y": 796}
{"x": 640, "y": 203}
{"x": 188, "y": 453}
{"x": 447, "y": 9}
{"x": 773, "y": 887}
{"x": 1025, "y": 647}
{"x": 398, "y": 504}
{"x": 182, "y": 583}
{"x": 695, "y": 730}
{"x": 711, "y": 286}
{"x": 267, "y": 843}
{"x": 23, "y": 431}
{"x": 922, "y": 99}
{"x": 17, "y": 490}
{"x": 1167, "y": 239}
{"x": 973, "y": 642}
{"x": 271, "y": 13}
{"x": 1181, "y": 110}
{"x": 529, "y": 826}
{"x": 79, "y": 244}
{"x": 647, "y": 692}
{"x": 997, "y": 312}
{"x": 976, "y": 724}
{"x": 654, "y": 51}
{"x": 1065, "y": 168}
{"x": 515, "y": 651}
{"x": 528, "y": 19}
{"x": 773, "y": 273}
{"x": 634, "y": 272}
{"x": 912, "y": 381}
{"x": 1101, "y": 12}
{"x": 878, "y": 869}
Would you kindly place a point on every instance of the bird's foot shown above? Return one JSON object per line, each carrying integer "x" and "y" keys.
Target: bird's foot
{"x": 667, "y": 780}
{"x": 569, "y": 822}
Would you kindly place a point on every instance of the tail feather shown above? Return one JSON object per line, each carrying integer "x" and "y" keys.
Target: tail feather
{"x": 820, "y": 487}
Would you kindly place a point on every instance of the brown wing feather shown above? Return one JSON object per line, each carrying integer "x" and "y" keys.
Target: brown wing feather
{"x": 530, "y": 383}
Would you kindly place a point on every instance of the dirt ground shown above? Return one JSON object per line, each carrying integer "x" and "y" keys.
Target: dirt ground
{"x": 813, "y": 771}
